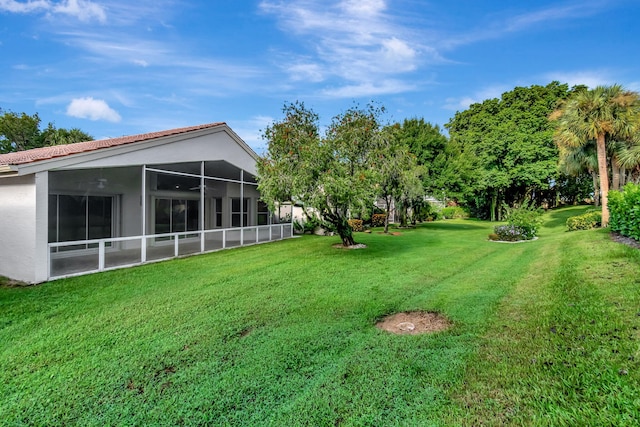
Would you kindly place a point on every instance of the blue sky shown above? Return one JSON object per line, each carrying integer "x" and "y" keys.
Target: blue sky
{"x": 121, "y": 67}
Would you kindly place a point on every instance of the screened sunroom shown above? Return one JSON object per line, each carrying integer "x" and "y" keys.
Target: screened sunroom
{"x": 197, "y": 192}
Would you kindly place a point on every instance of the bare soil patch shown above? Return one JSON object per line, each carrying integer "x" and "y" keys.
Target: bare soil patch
{"x": 414, "y": 323}
{"x": 10, "y": 283}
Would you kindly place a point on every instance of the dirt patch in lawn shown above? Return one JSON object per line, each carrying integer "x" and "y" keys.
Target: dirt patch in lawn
{"x": 414, "y": 323}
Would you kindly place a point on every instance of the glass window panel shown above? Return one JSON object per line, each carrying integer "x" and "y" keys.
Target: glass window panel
{"x": 193, "y": 215}
{"x": 178, "y": 215}
{"x": 218, "y": 211}
{"x": 163, "y": 216}
{"x": 53, "y": 218}
{"x": 100, "y": 217}
{"x": 72, "y": 215}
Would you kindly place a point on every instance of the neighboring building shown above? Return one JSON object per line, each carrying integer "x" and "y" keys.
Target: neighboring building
{"x": 98, "y": 205}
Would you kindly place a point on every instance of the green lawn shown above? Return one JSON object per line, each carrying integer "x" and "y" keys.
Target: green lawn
{"x": 544, "y": 333}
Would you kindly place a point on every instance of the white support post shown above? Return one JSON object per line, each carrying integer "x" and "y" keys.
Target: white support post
{"x": 257, "y": 234}
{"x": 176, "y": 239}
{"x": 241, "y": 207}
{"x": 224, "y": 239}
{"x": 101, "y": 255}
{"x": 143, "y": 203}
{"x": 202, "y": 184}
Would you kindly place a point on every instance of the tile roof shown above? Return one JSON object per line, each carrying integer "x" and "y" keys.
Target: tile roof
{"x": 45, "y": 153}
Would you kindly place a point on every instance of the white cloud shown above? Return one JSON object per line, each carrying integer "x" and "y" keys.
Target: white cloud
{"x": 489, "y": 92}
{"x": 84, "y": 10}
{"x": 251, "y": 131}
{"x": 505, "y": 26}
{"x": 386, "y": 87}
{"x": 306, "y": 72}
{"x": 588, "y": 78}
{"x": 140, "y": 62}
{"x": 358, "y": 41}
{"x": 93, "y": 109}
{"x": 24, "y": 7}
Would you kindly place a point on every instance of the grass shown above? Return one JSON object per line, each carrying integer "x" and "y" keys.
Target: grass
{"x": 545, "y": 333}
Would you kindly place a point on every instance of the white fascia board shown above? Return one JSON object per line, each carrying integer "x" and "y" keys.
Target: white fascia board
{"x": 78, "y": 158}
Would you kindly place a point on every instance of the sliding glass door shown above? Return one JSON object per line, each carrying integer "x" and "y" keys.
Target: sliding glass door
{"x": 73, "y": 217}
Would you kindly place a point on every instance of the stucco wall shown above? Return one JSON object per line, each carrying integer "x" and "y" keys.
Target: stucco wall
{"x": 18, "y": 228}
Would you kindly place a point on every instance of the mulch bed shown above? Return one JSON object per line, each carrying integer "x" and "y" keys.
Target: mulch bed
{"x": 616, "y": 237}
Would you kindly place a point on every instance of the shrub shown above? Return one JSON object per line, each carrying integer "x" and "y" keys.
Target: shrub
{"x": 451, "y": 212}
{"x": 585, "y": 221}
{"x": 510, "y": 233}
{"x": 378, "y": 220}
{"x": 308, "y": 226}
{"x": 624, "y": 208}
{"x": 356, "y": 224}
{"x": 527, "y": 218}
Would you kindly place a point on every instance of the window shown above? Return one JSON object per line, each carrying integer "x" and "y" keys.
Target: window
{"x": 217, "y": 209}
{"x": 80, "y": 218}
{"x": 263, "y": 213}
{"x": 176, "y": 215}
{"x": 236, "y": 212}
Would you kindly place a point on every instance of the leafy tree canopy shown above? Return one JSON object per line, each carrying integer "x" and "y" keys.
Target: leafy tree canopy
{"x": 445, "y": 168}
{"x": 20, "y": 132}
{"x": 399, "y": 173}
{"x": 334, "y": 173}
{"x": 607, "y": 115}
{"x": 510, "y": 142}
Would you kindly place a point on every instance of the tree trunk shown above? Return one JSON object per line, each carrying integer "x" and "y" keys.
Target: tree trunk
{"x": 604, "y": 177}
{"x": 596, "y": 188}
{"x": 615, "y": 174}
{"x": 403, "y": 214}
{"x": 387, "y": 200}
{"x": 494, "y": 202}
{"x": 345, "y": 232}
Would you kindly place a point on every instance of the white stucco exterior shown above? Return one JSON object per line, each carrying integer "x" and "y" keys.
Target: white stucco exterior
{"x": 208, "y": 167}
{"x": 18, "y": 228}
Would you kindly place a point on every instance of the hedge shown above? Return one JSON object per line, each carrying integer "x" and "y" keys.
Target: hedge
{"x": 624, "y": 210}
{"x": 356, "y": 224}
{"x": 585, "y": 221}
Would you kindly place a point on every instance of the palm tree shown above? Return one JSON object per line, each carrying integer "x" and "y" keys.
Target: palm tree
{"x": 603, "y": 114}
{"x": 575, "y": 161}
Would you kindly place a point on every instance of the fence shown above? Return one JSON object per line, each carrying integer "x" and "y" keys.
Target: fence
{"x": 89, "y": 256}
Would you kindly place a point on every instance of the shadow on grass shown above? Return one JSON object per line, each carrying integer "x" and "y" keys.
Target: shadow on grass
{"x": 453, "y": 226}
{"x": 558, "y": 217}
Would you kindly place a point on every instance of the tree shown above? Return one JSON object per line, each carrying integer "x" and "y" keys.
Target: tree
{"x": 20, "y": 132}
{"x": 399, "y": 174}
{"x": 444, "y": 167}
{"x": 576, "y": 161}
{"x": 334, "y": 174}
{"x": 604, "y": 114}
{"x": 510, "y": 144}
{"x": 57, "y": 136}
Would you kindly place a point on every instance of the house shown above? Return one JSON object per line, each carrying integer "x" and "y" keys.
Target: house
{"x": 92, "y": 206}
